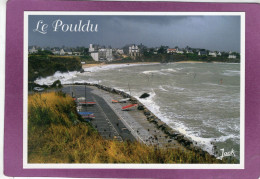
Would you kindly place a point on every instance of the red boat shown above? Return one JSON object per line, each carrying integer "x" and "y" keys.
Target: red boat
{"x": 87, "y": 103}
{"x": 129, "y": 106}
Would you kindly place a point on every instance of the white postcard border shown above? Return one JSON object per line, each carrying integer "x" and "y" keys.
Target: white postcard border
{"x": 26, "y": 165}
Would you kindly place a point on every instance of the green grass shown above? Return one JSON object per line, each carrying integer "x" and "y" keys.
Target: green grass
{"x": 57, "y": 135}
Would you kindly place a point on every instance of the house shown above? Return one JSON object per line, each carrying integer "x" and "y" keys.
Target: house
{"x": 171, "y": 50}
{"x": 179, "y": 51}
{"x": 62, "y": 52}
{"x": 134, "y": 50}
{"x": 213, "y": 54}
{"x": 232, "y": 56}
{"x": 33, "y": 50}
{"x": 76, "y": 53}
{"x": 202, "y": 53}
{"x": 120, "y": 51}
{"x": 68, "y": 52}
{"x": 219, "y": 54}
{"x": 189, "y": 51}
{"x": 55, "y": 51}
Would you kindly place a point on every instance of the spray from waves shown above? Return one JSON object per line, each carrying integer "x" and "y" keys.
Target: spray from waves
{"x": 163, "y": 89}
{"x": 113, "y": 66}
{"x": 169, "y": 70}
{"x": 63, "y": 77}
{"x": 153, "y": 72}
{"x": 205, "y": 143}
{"x": 231, "y": 73}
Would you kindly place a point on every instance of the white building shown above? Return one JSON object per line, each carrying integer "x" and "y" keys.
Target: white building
{"x": 179, "y": 51}
{"x": 219, "y": 54}
{"x": 33, "y": 50}
{"x": 76, "y": 53}
{"x": 171, "y": 50}
{"x": 232, "y": 56}
{"x": 91, "y": 48}
{"x": 120, "y": 51}
{"x": 109, "y": 56}
{"x": 62, "y": 52}
{"x": 105, "y": 54}
{"x": 213, "y": 54}
{"x": 94, "y": 55}
{"x": 189, "y": 51}
{"x": 134, "y": 50}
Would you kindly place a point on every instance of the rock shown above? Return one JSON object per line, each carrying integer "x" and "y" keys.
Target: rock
{"x": 147, "y": 113}
{"x": 140, "y": 107}
{"x": 144, "y": 95}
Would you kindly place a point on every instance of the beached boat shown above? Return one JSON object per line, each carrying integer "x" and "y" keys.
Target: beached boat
{"x": 128, "y": 107}
{"x": 87, "y": 115}
{"x": 81, "y": 99}
{"x": 121, "y": 100}
{"x": 87, "y": 103}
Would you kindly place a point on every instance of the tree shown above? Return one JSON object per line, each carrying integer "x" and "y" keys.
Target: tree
{"x": 163, "y": 49}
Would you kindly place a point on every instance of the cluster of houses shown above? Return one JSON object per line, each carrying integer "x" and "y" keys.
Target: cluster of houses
{"x": 55, "y": 51}
{"x": 198, "y": 51}
{"x": 102, "y": 53}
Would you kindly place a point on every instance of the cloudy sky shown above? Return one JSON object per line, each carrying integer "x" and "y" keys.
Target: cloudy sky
{"x": 220, "y": 33}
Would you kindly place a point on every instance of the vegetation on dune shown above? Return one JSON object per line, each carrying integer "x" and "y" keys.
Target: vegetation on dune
{"x": 56, "y": 134}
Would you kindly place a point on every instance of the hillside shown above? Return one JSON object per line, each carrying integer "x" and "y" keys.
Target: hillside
{"x": 56, "y": 134}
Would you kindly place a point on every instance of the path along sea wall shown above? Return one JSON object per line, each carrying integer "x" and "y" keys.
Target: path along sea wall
{"x": 152, "y": 118}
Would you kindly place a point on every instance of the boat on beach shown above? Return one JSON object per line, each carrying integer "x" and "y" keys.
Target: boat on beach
{"x": 121, "y": 100}
{"x": 87, "y": 115}
{"x": 128, "y": 107}
{"x": 84, "y": 103}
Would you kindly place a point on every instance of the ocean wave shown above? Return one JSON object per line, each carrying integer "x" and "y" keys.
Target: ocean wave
{"x": 153, "y": 72}
{"x": 63, "y": 77}
{"x": 113, "y": 66}
{"x": 162, "y": 88}
{"x": 231, "y": 73}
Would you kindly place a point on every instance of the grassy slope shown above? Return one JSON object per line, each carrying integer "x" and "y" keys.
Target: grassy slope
{"x": 55, "y": 135}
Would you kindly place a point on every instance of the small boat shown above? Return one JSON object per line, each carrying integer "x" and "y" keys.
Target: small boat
{"x": 128, "y": 107}
{"x": 81, "y": 99}
{"x": 87, "y": 115}
{"x": 87, "y": 103}
{"x": 121, "y": 100}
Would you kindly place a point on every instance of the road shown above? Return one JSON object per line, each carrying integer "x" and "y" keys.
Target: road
{"x": 106, "y": 121}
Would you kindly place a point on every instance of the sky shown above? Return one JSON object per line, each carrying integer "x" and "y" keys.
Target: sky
{"x": 218, "y": 33}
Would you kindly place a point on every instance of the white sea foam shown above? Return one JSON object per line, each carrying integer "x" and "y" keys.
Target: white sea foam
{"x": 63, "y": 77}
{"x": 162, "y": 88}
{"x": 154, "y": 72}
{"x": 113, "y": 66}
{"x": 231, "y": 73}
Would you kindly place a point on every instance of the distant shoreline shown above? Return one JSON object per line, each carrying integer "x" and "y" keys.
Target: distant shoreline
{"x": 141, "y": 63}
{"x": 105, "y": 64}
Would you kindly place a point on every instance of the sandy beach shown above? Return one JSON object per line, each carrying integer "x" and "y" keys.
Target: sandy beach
{"x": 141, "y": 63}
{"x": 104, "y": 64}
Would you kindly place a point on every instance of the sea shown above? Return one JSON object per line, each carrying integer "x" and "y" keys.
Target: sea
{"x": 200, "y": 100}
